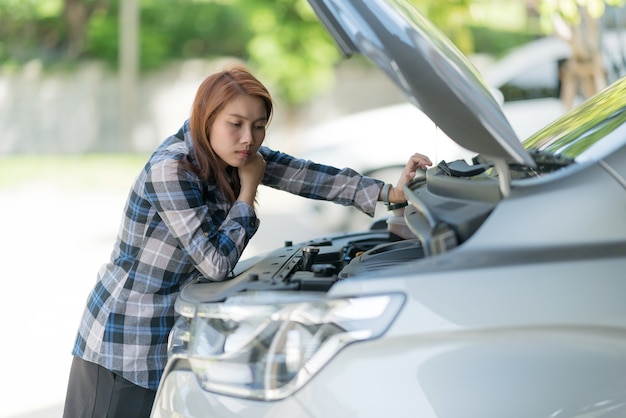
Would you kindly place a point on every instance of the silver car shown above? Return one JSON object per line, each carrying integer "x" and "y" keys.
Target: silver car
{"x": 497, "y": 292}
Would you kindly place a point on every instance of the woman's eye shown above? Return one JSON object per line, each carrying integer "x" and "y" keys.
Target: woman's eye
{"x": 260, "y": 127}
{"x": 235, "y": 124}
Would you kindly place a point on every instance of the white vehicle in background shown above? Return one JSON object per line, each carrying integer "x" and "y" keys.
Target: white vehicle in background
{"x": 525, "y": 82}
{"x": 528, "y": 79}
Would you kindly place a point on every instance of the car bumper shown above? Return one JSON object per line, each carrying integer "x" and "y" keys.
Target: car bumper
{"x": 180, "y": 396}
{"x": 518, "y": 372}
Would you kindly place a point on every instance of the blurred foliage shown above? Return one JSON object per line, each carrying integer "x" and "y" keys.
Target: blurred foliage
{"x": 498, "y": 42}
{"x": 28, "y": 28}
{"x": 171, "y": 31}
{"x": 452, "y": 18}
{"x": 281, "y": 39}
{"x": 289, "y": 48}
{"x": 570, "y": 10}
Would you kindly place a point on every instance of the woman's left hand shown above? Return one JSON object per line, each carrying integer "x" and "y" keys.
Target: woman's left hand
{"x": 417, "y": 161}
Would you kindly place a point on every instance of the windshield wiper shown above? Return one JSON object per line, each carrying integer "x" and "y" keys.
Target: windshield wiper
{"x": 546, "y": 163}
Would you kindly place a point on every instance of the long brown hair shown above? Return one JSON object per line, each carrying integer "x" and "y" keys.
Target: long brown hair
{"x": 212, "y": 95}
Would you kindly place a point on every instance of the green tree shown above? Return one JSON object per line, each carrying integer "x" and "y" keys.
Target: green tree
{"x": 281, "y": 39}
{"x": 579, "y": 23}
{"x": 28, "y": 27}
{"x": 293, "y": 51}
{"x": 171, "y": 30}
{"x": 453, "y": 18}
{"x": 76, "y": 16}
{"x": 289, "y": 47}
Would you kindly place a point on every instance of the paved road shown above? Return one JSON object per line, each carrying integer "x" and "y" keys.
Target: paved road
{"x": 53, "y": 241}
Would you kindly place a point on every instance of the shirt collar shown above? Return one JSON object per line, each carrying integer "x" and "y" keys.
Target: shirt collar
{"x": 188, "y": 139}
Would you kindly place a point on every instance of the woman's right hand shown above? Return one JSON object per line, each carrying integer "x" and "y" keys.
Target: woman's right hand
{"x": 250, "y": 176}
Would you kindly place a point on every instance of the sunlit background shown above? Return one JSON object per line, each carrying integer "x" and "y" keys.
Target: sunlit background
{"x": 89, "y": 87}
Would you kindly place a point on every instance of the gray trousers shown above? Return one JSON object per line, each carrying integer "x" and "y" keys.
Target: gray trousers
{"x": 96, "y": 392}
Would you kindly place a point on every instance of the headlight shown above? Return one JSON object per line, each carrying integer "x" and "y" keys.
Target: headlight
{"x": 180, "y": 335}
{"x": 268, "y": 351}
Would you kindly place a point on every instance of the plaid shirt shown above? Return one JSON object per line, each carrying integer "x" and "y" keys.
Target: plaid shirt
{"x": 176, "y": 227}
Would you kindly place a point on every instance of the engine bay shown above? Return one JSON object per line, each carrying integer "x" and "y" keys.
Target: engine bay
{"x": 310, "y": 266}
{"x": 443, "y": 211}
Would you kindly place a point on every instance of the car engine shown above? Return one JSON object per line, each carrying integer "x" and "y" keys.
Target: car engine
{"x": 445, "y": 208}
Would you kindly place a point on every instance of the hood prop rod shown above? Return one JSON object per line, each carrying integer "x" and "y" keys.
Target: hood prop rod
{"x": 504, "y": 176}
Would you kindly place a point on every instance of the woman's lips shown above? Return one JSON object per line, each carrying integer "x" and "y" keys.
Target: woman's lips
{"x": 243, "y": 154}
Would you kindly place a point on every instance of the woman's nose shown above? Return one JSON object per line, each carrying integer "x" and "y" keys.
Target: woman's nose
{"x": 247, "y": 137}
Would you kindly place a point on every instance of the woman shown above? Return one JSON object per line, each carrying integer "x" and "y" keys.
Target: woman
{"x": 190, "y": 212}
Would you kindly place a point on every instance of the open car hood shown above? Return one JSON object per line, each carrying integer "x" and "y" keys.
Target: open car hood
{"x": 428, "y": 68}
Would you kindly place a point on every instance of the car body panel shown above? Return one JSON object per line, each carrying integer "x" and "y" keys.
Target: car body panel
{"x": 531, "y": 69}
{"x": 429, "y": 69}
{"x": 456, "y": 351}
{"x": 195, "y": 402}
{"x": 520, "y": 375}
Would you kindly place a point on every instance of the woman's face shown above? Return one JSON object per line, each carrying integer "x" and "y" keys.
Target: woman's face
{"x": 239, "y": 130}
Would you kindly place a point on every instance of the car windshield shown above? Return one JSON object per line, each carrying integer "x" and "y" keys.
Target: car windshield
{"x": 589, "y": 132}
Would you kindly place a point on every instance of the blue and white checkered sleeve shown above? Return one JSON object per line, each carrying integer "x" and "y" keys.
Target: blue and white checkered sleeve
{"x": 214, "y": 244}
{"x": 321, "y": 182}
